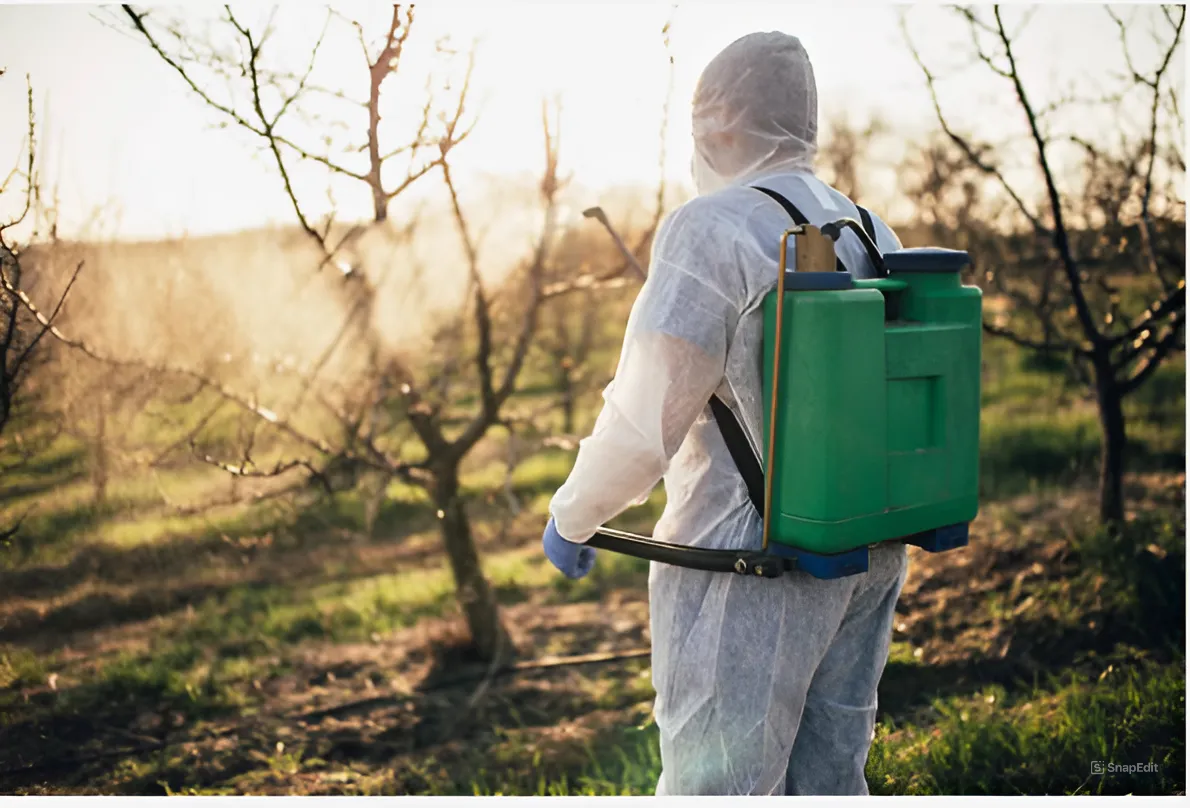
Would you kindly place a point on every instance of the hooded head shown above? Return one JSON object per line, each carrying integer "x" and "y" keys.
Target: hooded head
{"x": 755, "y": 112}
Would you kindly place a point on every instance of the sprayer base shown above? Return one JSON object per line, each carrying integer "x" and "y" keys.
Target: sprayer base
{"x": 946, "y": 538}
{"x": 820, "y": 565}
{"x": 854, "y": 562}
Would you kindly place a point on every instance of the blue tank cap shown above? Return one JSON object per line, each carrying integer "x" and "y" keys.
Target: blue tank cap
{"x": 926, "y": 259}
{"x": 817, "y": 281}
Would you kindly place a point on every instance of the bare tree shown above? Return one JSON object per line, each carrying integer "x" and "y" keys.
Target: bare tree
{"x": 21, "y": 336}
{"x": 416, "y": 421}
{"x": 1073, "y": 305}
{"x": 273, "y": 98}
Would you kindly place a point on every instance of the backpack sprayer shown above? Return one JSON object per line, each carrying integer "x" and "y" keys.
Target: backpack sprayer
{"x": 872, "y": 418}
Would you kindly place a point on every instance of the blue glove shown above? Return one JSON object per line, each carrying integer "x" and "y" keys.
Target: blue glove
{"x": 574, "y": 560}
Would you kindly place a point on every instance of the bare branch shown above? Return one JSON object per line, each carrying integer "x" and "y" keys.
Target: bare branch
{"x": 970, "y": 151}
{"x": 1060, "y": 237}
{"x": 301, "y": 87}
{"x": 235, "y": 398}
{"x": 549, "y": 190}
{"x": 10, "y": 374}
{"x": 1160, "y": 350}
{"x": 264, "y": 129}
{"x": 584, "y": 283}
{"x": 1146, "y": 221}
{"x": 280, "y": 77}
{"x": 1123, "y": 28}
{"x": 49, "y": 321}
{"x": 191, "y": 435}
{"x": 976, "y": 25}
{"x": 254, "y": 49}
{"x": 30, "y": 164}
{"x": 379, "y": 70}
{"x": 452, "y": 137}
{"x": 138, "y": 21}
{"x": 250, "y": 470}
{"x": 359, "y": 32}
{"x": 10, "y": 334}
{"x": 483, "y": 320}
{"x": 1025, "y": 342}
{"x": 411, "y": 178}
{"x": 493, "y": 399}
{"x": 1151, "y": 317}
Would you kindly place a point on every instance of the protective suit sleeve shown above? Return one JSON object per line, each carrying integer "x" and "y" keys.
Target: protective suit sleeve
{"x": 672, "y": 360}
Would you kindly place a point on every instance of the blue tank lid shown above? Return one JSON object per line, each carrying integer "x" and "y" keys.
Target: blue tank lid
{"x": 926, "y": 259}
{"x": 817, "y": 281}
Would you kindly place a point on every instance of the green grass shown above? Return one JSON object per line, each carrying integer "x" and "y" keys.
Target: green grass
{"x": 224, "y": 599}
{"x": 1024, "y": 446}
{"x": 1045, "y": 740}
{"x": 1144, "y": 564}
{"x": 1042, "y": 740}
{"x": 1018, "y": 451}
{"x": 175, "y": 680}
{"x": 20, "y": 667}
{"x": 56, "y": 463}
{"x": 264, "y": 619}
{"x": 625, "y": 762}
{"x": 272, "y": 617}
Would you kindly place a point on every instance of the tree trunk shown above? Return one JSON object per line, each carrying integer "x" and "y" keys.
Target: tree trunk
{"x": 1114, "y": 444}
{"x": 475, "y": 595}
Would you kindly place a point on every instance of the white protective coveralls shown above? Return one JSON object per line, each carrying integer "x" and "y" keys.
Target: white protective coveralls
{"x": 763, "y": 686}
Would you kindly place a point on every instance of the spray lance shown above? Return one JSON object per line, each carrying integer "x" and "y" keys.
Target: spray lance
{"x": 598, "y": 215}
{"x": 923, "y": 382}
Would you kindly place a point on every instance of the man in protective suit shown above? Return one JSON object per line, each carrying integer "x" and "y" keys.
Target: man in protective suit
{"x": 763, "y": 686}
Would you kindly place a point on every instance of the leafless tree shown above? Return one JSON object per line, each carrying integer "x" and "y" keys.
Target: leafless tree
{"x": 1076, "y": 304}
{"x": 21, "y": 346}
{"x": 417, "y": 421}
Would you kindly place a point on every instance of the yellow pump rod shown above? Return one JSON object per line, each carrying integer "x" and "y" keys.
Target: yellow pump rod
{"x": 768, "y": 455}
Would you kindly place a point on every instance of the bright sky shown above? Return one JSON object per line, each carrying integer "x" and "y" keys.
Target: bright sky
{"x": 123, "y": 136}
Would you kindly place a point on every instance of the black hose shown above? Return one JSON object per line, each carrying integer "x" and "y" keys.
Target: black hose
{"x": 833, "y": 230}
{"x": 741, "y": 562}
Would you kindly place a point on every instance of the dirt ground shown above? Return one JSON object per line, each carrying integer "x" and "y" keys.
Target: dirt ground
{"x": 408, "y": 712}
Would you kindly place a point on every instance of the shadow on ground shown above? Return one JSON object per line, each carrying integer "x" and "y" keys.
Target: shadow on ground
{"x": 1033, "y": 597}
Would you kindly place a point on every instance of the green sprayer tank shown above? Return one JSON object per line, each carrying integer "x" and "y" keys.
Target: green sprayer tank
{"x": 877, "y": 419}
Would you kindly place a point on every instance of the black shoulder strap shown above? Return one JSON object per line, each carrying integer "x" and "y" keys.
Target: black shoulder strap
{"x": 794, "y": 214}
{"x": 865, "y": 219}
{"x": 741, "y": 452}
{"x": 729, "y": 426}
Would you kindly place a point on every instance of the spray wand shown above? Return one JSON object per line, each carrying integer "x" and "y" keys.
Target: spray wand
{"x": 597, "y": 214}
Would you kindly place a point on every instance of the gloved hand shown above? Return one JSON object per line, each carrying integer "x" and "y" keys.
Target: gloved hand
{"x": 572, "y": 559}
